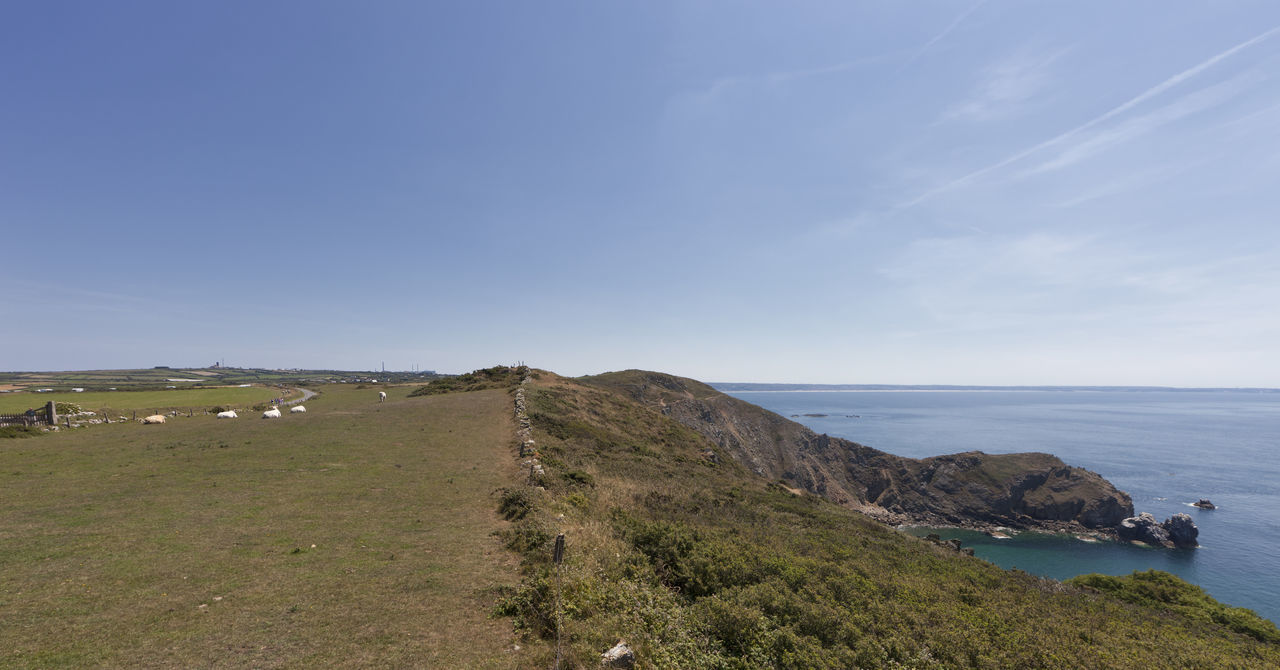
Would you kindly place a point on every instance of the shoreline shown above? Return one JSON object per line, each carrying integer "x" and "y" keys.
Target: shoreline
{"x": 995, "y": 529}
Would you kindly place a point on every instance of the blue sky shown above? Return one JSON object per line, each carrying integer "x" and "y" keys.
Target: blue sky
{"x": 880, "y": 192}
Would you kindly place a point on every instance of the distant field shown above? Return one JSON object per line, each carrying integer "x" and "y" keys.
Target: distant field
{"x": 358, "y": 534}
{"x": 131, "y": 400}
{"x": 158, "y": 378}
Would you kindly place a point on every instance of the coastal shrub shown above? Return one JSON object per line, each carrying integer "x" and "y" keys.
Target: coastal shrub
{"x": 579, "y": 477}
{"x": 67, "y": 408}
{"x": 528, "y": 536}
{"x": 531, "y": 605}
{"x": 1155, "y": 588}
{"x": 499, "y": 376}
{"x": 515, "y": 503}
{"x": 578, "y": 500}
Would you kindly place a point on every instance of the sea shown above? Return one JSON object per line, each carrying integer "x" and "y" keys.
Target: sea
{"x": 1166, "y": 448}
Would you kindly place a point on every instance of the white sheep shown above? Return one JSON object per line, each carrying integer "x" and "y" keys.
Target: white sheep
{"x": 273, "y": 413}
{"x": 297, "y": 409}
{"x": 154, "y": 418}
{"x": 229, "y": 414}
{"x": 382, "y": 396}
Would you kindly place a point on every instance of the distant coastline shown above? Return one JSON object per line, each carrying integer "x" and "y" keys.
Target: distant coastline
{"x": 731, "y": 387}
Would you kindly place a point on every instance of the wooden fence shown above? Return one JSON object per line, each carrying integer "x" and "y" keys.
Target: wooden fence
{"x": 45, "y": 416}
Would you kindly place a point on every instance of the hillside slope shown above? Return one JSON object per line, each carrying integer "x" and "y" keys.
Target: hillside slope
{"x": 1028, "y": 490}
{"x": 695, "y": 561}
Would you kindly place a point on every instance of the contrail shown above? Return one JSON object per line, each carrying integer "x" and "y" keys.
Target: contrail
{"x": 945, "y": 31}
{"x": 1124, "y": 107}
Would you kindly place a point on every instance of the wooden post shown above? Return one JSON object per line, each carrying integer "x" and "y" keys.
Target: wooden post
{"x": 557, "y": 557}
{"x": 51, "y": 410}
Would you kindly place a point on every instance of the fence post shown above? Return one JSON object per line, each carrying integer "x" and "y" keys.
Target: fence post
{"x": 557, "y": 557}
{"x": 51, "y": 412}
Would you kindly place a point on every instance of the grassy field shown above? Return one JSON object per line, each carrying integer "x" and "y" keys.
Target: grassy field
{"x": 357, "y": 534}
{"x": 159, "y": 378}
{"x": 130, "y": 400}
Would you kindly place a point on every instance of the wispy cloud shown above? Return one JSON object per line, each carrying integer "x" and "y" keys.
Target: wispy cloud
{"x": 1129, "y": 104}
{"x": 1048, "y": 283}
{"x": 1005, "y": 87}
{"x": 1126, "y": 183}
{"x": 955, "y": 23}
{"x": 1087, "y": 145}
{"x": 725, "y": 86}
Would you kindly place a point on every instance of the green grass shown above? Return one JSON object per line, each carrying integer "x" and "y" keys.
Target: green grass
{"x": 191, "y": 543}
{"x": 131, "y": 400}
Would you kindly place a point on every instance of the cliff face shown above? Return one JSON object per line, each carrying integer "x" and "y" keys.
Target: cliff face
{"x": 1027, "y": 490}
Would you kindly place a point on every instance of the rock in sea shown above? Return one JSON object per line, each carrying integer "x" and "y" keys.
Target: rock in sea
{"x": 1178, "y": 531}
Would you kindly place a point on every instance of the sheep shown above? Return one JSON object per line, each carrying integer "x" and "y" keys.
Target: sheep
{"x": 273, "y": 413}
{"x": 154, "y": 418}
{"x": 297, "y": 409}
{"x": 229, "y": 414}
{"x": 382, "y": 396}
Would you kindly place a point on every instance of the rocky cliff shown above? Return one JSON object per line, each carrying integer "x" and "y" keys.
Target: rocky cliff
{"x": 1027, "y": 490}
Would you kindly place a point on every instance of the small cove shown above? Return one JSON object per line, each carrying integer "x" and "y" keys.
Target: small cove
{"x": 1165, "y": 448}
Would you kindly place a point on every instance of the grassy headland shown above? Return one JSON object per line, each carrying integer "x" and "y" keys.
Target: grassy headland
{"x": 698, "y": 563}
{"x": 363, "y": 533}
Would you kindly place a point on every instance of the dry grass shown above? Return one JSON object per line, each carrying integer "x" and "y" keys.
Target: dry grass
{"x": 358, "y": 534}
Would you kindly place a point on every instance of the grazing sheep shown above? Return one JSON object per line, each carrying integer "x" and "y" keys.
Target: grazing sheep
{"x": 229, "y": 414}
{"x": 382, "y": 396}
{"x": 298, "y": 409}
{"x": 154, "y": 418}
{"x": 273, "y": 413}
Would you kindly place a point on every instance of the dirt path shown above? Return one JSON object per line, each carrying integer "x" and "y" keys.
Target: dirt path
{"x": 307, "y": 394}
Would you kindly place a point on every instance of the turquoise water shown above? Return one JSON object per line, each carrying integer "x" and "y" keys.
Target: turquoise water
{"x": 1165, "y": 448}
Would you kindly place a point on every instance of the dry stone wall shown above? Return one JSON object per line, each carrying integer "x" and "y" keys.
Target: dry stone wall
{"x": 524, "y": 433}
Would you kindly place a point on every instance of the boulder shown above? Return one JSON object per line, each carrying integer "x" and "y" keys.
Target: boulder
{"x": 1204, "y": 503}
{"x": 1144, "y": 528}
{"x": 1182, "y": 531}
{"x": 1177, "y": 531}
{"x": 619, "y": 656}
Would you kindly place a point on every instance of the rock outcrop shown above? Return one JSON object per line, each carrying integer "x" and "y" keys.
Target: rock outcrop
{"x": 1177, "y": 531}
{"x": 1182, "y": 531}
{"x": 1204, "y": 503}
{"x": 1027, "y": 490}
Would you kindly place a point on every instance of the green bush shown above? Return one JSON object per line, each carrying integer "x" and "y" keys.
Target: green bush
{"x": 515, "y": 503}
{"x": 67, "y": 408}
{"x": 579, "y": 477}
{"x": 1154, "y": 588}
{"x": 499, "y": 376}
